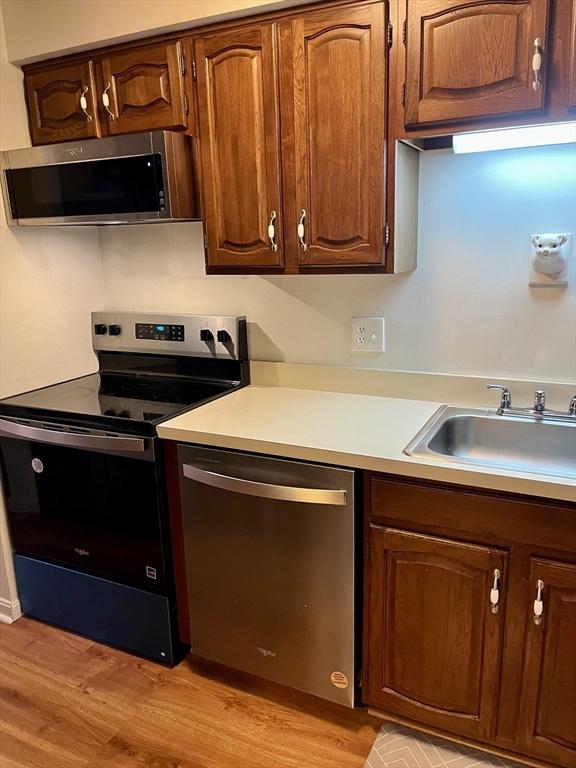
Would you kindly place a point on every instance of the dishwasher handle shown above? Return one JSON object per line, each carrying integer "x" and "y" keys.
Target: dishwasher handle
{"x": 335, "y": 497}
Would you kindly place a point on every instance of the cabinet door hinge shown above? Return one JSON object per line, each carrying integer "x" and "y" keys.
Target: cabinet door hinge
{"x": 194, "y": 73}
{"x": 182, "y": 64}
{"x": 389, "y": 34}
{"x": 387, "y": 234}
{"x": 403, "y": 94}
{"x": 186, "y": 104}
{"x": 404, "y": 32}
{"x": 205, "y": 242}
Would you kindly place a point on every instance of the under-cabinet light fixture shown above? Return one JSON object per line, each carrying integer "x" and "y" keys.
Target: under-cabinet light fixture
{"x": 515, "y": 138}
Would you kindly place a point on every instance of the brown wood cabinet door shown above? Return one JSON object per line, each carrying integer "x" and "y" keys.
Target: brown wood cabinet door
{"x": 144, "y": 88}
{"x": 62, "y": 104}
{"x": 473, "y": 58}
{"x": 548, "y": 702}
{"x": 433, "y": 640}
{"x": 333, "y": 114}
{"x": 240, "y": 147}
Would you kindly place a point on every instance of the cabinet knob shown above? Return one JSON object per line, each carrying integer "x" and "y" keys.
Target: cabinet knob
{"x": 84, "y": 104}
{"x": 272, "y": 232}
{"x": 538, "y": 603}
{"x": 537, "y": 64}
{"x": 495, "y": 592}
{"x": 301, "y": 230}
{"x": 106, "y": 101}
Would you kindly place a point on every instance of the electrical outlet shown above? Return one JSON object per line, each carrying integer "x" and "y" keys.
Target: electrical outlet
{"x": 368, "y": 334}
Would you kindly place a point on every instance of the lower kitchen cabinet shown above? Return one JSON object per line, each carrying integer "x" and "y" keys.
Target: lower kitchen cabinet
{"x": 470, "y": 615}
{"x": 435, "y": 629}
{"x": 549, "y": 684}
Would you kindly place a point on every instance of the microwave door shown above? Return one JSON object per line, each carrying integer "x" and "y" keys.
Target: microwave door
{"x": 129, "y": 188}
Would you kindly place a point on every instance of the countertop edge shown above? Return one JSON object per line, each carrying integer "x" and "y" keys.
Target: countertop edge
{"x": 542, "y": 487}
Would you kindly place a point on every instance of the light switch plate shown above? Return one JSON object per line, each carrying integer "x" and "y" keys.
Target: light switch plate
{"x": 368, "y": 334}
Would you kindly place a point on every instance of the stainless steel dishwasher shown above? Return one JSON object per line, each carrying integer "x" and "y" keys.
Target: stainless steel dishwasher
{"x": 270, "y": 563}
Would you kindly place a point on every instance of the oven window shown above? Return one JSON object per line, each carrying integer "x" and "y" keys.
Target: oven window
{"x": 118, "y": 185}
{"x": 88, "y": 510}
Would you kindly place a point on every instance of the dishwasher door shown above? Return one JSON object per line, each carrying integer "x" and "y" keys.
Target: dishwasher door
{"x": 270, "y": 568}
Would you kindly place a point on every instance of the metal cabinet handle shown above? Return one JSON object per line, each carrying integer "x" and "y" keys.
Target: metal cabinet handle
{"x": 301, "y": 230}
{"x": 106, "y": 101}
{"x": 495, "y": 592}
{"x": 538, "y": 603}
{"x": 265, "y": 490}
{"x": 537, "y": 64}
{"x": 272, "y": 232}
{"x": 84, "y": 104}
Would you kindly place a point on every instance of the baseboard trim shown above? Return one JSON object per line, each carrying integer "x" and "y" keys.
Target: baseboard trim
{"x": 9, "y": 610}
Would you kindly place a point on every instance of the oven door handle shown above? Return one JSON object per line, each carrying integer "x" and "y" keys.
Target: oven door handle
{"x": 265, "y": 490}
{"x": 72, "y": 439}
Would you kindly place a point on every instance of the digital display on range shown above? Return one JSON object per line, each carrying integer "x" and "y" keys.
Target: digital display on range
{"x": 160, "y": 331}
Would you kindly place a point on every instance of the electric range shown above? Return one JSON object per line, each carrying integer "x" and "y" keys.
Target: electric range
{"x": 84, "y": 482}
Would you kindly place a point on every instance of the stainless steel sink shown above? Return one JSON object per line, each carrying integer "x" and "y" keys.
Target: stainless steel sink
{"x": 482, "y": 437}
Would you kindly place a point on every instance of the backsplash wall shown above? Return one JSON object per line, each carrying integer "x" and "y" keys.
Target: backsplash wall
{"x": 468, "y": 308}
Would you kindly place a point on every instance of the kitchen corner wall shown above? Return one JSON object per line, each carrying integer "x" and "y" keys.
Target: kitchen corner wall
{"x": 468, "y": 309}
{"x": 50, "y": 279}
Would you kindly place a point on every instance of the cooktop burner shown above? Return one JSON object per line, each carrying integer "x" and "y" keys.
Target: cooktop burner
{"x": 144, "y": 377}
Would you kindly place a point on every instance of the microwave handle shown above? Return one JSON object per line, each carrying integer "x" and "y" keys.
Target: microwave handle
{"x": 71, "y": 439}
{"x": 265, "y": 490}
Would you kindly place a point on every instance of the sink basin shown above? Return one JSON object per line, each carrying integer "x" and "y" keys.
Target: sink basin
{"x": 482, "y": 437}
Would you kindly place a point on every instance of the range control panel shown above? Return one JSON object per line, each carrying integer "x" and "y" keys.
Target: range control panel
{"x": 160, "y": 331}
{"x": 216, "y": 336}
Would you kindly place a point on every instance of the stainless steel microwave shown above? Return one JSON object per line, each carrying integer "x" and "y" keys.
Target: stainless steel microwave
{"x": 135, "y": 179}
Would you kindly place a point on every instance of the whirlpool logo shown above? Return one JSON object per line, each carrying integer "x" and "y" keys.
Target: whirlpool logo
{"x": 81, "y": 552}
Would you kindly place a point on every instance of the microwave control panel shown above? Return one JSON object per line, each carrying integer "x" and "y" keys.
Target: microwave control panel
{"x": 159, "y": 331}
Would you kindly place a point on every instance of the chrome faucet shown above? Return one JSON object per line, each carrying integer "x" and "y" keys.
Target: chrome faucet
{"x": 538, "y": 409}
{"x": 505, "y": 398}
{"x": 539, "y": 401}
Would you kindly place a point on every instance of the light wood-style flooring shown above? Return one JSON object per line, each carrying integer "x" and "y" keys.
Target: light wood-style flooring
{"x": 66, "y": 702}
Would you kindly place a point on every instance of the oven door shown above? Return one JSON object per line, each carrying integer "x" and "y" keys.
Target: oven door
{"x": 85, "y": 500}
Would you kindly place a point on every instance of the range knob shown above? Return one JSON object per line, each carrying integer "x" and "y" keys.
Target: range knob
{"x": 114, "y": 330}
{"x": 223, "y": 337}
{"x": 206, "y": 335}
{"x": 100, "y": 329}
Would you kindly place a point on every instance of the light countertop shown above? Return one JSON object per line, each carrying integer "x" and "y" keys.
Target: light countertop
{"x": 351, "y": 430}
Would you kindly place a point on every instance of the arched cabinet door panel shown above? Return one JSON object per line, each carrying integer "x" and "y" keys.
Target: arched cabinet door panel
{"x": 548, "y": 704}
{"x": 240, "y": 147}
{"x": 333, "y": 119}
{"x": 62, "y": 103}
{"x": 434, "y": 632}
{"x": 473, "y": 58}
{"x": 142, "y": 89}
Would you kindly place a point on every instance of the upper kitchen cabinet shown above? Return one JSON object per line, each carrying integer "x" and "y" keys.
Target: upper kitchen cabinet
{"x": 142, "y": 89}
{"x": 333, "y": 108}
{"x": 62, "y": 103}
{"x": 470, "y": 59}
{"x": 292, "y": 138}
{"x": 240, "y": 147}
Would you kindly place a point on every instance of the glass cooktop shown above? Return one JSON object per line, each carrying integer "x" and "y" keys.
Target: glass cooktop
{"x": 115, "y": 397}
